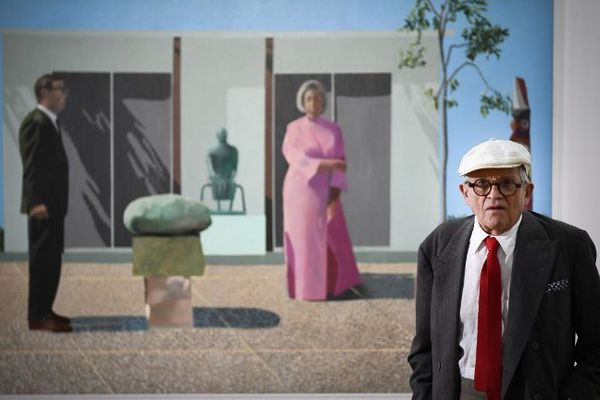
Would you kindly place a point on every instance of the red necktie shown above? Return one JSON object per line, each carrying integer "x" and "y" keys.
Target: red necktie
{"x": 488, "y": 365}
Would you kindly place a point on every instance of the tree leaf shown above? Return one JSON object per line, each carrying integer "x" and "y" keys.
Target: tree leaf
{"x": 495, "y": 101}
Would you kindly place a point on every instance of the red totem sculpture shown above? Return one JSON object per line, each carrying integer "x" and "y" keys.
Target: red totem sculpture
{"x": 521, "y": 114}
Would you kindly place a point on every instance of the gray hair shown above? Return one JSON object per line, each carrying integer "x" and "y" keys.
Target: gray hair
{"x": 523, "y": 174}
{"x": 311, "y": 84}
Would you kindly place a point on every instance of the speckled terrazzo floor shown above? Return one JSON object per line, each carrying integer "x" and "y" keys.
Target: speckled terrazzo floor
{"x": 248, "y": 337}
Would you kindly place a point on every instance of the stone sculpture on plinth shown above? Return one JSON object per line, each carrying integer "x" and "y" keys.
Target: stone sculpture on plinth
{"x": 167, "y": 251}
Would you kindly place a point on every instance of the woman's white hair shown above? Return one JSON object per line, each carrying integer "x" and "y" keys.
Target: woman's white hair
{"x": 311, "y": 84}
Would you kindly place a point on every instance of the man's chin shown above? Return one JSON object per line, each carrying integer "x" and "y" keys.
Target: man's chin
{"x": 494, "y": 226}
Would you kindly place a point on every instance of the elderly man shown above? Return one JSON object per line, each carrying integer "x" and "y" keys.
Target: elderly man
{"x": 508, "y": 301}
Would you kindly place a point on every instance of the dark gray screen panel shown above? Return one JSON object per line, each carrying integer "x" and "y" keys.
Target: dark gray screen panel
{"x": 286, "y": 86}
{"x": 142, "y": 141}
{"x": 363, "y": 111}
{"x": 85, "y": 124}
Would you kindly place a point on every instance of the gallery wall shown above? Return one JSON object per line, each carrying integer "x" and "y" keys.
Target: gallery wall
{"x": 576, "y": 117}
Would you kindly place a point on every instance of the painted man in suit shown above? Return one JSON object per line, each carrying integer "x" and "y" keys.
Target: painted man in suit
{"x": 508, "y": 300}
{"x": 44, "y": 200}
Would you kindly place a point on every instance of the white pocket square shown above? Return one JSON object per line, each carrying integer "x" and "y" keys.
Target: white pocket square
{"x": 557, "y": 285}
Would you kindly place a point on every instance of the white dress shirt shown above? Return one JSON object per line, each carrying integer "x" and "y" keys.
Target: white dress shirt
{"x": 53, "y": 117}
{"x": 469, "y": 305}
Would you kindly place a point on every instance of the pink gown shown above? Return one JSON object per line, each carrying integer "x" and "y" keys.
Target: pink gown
{"x": 318, "y": 254}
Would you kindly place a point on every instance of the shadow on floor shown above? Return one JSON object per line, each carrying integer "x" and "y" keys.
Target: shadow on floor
{"x": 387, "y": 286}
{"x": 238, "y": 317}
{"x": 113, "y": 323}
{"x": 219, "y": 317}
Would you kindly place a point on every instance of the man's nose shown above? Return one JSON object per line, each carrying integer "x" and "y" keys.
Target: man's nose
{"x": 495, "y": 192}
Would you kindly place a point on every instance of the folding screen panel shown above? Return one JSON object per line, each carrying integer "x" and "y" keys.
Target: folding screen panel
{"x": 86, "y": 129}
{"x": 363, "y": 111}
{"x": 142, "y": 141}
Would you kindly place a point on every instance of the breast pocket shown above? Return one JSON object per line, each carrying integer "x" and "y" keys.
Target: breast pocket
{"x": 555, "y": 309}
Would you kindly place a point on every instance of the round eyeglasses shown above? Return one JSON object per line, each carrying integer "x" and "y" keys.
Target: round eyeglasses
{"x": 483, "y": 187}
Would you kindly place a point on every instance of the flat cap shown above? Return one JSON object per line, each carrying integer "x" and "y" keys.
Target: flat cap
{"x": 495, "y": 153}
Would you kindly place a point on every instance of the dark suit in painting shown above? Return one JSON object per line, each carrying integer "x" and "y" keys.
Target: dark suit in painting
{"x": 554, "y": 296}
{"x": 45, "y": 181}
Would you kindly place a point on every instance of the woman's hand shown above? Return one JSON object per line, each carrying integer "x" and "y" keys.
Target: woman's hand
{"x": 332, "y": 204}
{"x": 331, "y": 164}
{"x": 39, "y": 212}
{"x": 331, "y": 210}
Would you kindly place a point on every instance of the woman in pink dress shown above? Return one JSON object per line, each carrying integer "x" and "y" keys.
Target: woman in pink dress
{"x": 317, "y": 246}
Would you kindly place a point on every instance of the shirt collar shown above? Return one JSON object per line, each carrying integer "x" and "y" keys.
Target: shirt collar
{"x": 53, "y": 117}
{"x": 507, "y": 240}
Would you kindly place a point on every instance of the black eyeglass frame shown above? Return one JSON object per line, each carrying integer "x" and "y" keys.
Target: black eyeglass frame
{"x": 477, "y": 186}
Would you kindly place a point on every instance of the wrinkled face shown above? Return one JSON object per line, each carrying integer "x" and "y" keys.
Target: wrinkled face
{"x": 313, "y": 103}
{"x": 55, "y": 98}
{"x": 496, "y": 212}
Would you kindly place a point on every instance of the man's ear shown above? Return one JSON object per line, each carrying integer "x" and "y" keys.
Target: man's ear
{"x": 464, "y": 191}
{"x": 43, "y": 93}
{"x": 528, "y": 192}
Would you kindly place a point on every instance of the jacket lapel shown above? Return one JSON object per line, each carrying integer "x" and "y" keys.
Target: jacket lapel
{"x": 532, "y": 265}
{"x": 451, "y": 271}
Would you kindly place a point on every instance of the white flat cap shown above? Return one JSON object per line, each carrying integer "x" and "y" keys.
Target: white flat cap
{"x": 495, "y": 153}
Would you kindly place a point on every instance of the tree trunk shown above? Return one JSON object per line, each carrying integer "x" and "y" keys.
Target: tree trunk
{"x": 444, "y": 117}
{"x": 444, "y": 110}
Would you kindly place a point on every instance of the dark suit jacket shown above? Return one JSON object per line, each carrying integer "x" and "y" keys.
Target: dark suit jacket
{"x": 45, "y": 168}
{"x": 554, "y": 295}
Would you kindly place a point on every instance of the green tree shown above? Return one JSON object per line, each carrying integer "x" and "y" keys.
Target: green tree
{"x": 479, "y": 37}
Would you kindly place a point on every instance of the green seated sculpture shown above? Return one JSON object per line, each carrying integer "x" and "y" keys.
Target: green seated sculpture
{"x": 222, "y": 163}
